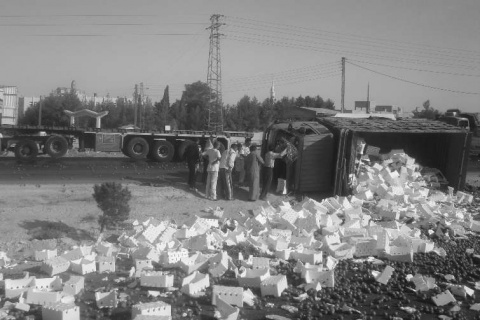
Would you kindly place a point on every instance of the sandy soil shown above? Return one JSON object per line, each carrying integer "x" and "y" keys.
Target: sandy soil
{"x": 25, "y": 208}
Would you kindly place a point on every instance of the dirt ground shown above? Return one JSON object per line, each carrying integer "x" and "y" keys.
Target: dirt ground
{"x": 27, "y": 207}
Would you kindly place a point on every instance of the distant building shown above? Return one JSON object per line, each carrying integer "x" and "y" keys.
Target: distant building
{"x": 372, "y": 107}
{"x": 364, "y": 106}
{"x": 388, "y": 109}
{"x": 8, "y": 105}
{"x": 24, "y": 103}
{"x": 82, "y": 96}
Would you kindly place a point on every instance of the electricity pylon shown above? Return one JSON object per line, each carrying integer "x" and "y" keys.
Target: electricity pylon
{"x": 214, "y": 76}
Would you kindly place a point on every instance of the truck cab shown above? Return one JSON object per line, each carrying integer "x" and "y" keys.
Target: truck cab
{"x": 469, "y": 121}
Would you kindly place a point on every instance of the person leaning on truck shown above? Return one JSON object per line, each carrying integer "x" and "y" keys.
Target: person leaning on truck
{"x": 212, "y": 169}
{"x": 270, "y": 157}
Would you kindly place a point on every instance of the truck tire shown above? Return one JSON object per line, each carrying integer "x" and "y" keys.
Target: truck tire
{"x": 56, "y": 146}
{"x": 162, "y": 151}
{"x": 182, "y": 148}
{"x": 26, "y": 150}
{"x": 137, "y": 148}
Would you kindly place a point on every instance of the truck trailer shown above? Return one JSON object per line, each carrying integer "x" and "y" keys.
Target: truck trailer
{"x": 162, "y": 146}
{"x": 328, "y": 149}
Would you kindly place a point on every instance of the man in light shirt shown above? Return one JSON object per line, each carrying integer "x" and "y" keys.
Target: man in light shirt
{"x": 270, "y": 157}
{"x": 226, "y": 166}
{"x": 240, "y": 160}
{"x": 212, "y": 169}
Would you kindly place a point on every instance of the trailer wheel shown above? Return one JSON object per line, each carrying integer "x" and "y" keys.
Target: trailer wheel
{"x": 137, "y": 148}
{"x": 56, "y": 146}
{"x": 162, "y": 151}
{"x": 26, "y": 150}
{"x": 182, "y": 148}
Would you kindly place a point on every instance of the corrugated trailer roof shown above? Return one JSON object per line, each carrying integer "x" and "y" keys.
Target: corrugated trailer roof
{"x": 391, "y": 126}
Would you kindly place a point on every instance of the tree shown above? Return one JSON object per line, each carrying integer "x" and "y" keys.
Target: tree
{"x": 300, "y": 102}
{"x": 161, "y": 110}
{"x": 112, "y": 120}
{"x": 308, "y": 102}
{"x": 112, "y": 198}
{"x": 318, "y": 102}
{"x": 266, "y": 113}
{"x": 428, "y": 112}
{"x": 329, "y": 104}
{"x": 53, "y": 108}
{"x": 248, "y": 113}
{"x": 191, "y": 112}
{"x": 149, "y": 112}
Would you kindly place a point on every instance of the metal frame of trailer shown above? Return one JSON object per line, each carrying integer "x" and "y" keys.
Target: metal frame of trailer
{"x": 162, "y": 146}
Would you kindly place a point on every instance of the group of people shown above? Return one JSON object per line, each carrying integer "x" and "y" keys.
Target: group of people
{"x": 240, "y": 162}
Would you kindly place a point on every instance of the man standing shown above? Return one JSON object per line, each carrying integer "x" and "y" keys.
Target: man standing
{"x": 253, "y": 163}
{"x": 226, "y": 166}
{"x": 240, "y": 162}
{"x": 192, "y": 156}
{"x": 212, "y": 169}
{"x": 270, "y": 157}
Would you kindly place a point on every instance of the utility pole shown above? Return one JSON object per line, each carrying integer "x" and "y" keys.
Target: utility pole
{"x": 40, "y": 104}
{"x": 142, "y": 107}
{"x": 368, "y": 98}
{"x": 135, "y": 102}
{"x": 214, "y": 76}
{"x": 343, "y": 84}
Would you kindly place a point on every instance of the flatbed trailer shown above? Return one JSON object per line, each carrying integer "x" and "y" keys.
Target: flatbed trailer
{"x": 161, "y": 146}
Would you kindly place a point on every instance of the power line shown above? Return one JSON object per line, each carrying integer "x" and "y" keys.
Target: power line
{"x": 412, "y": 82}
{"x": 95, "y": 24}
{"x": 334, "y": 48}
{"x": 339, "y": 52}
{"x": 293, "y": 75}
{"x": 347, "y": 43}
{"x": 109, "y": 35}
{"x": 421, "y": 70}
{"x": 287, "y": 72}
{"x": 286, "y": 82}
{"x": 358, "y": 37}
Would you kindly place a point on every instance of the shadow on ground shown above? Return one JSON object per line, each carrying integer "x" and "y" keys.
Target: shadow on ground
{"x": 45, "y": 229}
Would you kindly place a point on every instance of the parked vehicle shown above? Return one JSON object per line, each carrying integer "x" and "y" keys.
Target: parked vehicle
{"x": 28, "y": 141}
{"x": 469, "y": 121}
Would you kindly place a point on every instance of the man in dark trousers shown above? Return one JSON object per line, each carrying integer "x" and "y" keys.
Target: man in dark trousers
{"x": 270, "y": 157}
{"x": 192, "y": 156}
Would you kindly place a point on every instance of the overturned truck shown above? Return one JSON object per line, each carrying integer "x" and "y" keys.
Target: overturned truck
{"x": 327, "y": 150}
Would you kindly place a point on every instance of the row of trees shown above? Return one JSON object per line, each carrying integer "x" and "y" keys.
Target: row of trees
{"x": 188, "y": 113}
{"x": 427, "y": 112}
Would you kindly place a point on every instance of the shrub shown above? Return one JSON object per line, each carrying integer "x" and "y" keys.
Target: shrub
{"x": 112, "y": 198}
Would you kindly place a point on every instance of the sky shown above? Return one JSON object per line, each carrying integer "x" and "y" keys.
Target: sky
{"x": 402, "y": 52}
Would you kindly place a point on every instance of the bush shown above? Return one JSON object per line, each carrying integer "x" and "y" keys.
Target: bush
{"x": 112, "y": 198}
